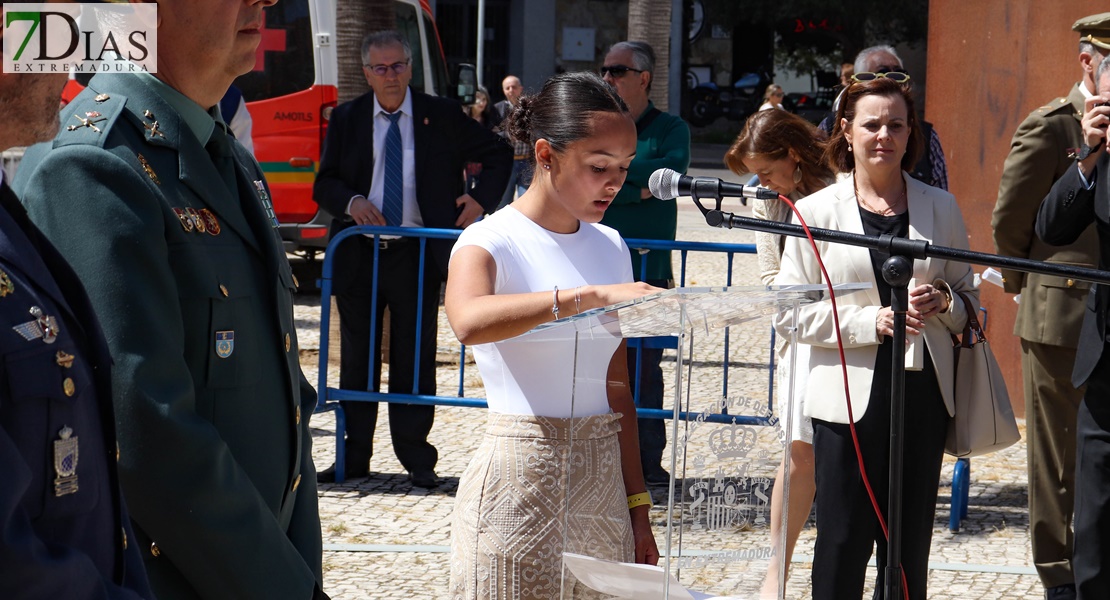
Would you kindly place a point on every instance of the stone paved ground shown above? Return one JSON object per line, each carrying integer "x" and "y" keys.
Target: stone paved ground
{"x": 384, "y": 539}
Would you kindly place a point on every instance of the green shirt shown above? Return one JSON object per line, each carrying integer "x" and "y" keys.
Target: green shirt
{"x": 664, "y": 143}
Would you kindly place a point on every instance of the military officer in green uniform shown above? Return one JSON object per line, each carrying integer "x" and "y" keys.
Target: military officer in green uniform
{"x": 1051, "y": 309}
{"x": 167, "y": 221}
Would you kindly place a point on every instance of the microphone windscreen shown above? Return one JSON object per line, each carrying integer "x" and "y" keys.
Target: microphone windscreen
{"x": 663, "y": 184}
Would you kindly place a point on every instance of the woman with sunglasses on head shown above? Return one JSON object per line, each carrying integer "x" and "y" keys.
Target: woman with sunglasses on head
{"x": 772, "y": 97}
{"x": 785, "y": 152}
{"x": 876, "y": 138}
{"x": 542, "y": 257}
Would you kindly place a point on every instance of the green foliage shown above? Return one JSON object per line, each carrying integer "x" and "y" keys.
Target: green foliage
{"x": 816, "y": 35}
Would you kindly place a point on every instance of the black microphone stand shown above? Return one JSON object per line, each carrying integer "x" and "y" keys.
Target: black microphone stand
{"x": 897, "y": 271}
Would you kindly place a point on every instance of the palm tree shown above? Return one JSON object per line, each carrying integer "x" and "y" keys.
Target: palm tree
{"x": 353, "y": 20}
{"x": 650, "y": 21}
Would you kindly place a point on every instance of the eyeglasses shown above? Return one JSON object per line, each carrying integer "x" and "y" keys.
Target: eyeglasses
{"x": 381, "y": 70}
{"x": 898, "y": 76}
{"x": 617, "y": 71}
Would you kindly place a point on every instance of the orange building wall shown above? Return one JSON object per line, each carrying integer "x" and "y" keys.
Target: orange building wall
{"x": 991, "y": 63}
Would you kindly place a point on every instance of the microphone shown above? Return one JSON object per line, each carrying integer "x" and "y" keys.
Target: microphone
{"x": 666, "y": 184}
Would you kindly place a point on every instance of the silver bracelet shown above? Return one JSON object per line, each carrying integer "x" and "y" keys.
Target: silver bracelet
{"x": 555, "y": 302}
{"x": 578, "y": 300}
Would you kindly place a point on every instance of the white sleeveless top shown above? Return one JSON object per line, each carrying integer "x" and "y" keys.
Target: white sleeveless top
{"x": 531, "y": 376}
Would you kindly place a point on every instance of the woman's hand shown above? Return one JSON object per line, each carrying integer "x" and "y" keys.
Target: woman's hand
{"x": 647, "y": 553}
{"x": 596, "y": 296}
{"x": 884, "y": 323}
{"x": 927, "y": 301}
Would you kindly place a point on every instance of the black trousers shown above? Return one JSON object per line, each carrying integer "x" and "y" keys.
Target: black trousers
{"x": 846, "y": 524}
{"x": 398, "y": 277}
{"x": 1091, "y": 554}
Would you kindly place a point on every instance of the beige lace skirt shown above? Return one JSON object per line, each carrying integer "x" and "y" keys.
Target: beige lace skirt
{"x": 512, "y": 519}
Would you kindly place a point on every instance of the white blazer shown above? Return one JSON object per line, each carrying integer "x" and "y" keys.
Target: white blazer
{"x": 934, "y": 216}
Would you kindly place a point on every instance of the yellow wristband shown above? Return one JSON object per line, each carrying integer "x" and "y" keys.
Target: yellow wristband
{"x": 641, "y": 499}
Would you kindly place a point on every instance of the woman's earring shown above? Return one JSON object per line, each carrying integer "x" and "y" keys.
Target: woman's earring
{"x": 798, "y": 174}
{"x": 849, "y": 146}
{"x": 547, "y": 166}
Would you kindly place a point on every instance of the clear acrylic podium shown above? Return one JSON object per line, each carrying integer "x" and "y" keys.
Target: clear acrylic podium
{"x": 715, "y": 534}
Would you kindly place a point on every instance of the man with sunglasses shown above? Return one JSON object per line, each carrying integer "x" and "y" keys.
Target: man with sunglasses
{"x": 883, "y": 61}
{"x": 662, "y": 141}
{"x": 1050, "y": 314}
{"x": 396, "y": 157}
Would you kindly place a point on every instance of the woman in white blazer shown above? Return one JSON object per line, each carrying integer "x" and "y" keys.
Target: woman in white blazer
{"x": 876, "y": 139}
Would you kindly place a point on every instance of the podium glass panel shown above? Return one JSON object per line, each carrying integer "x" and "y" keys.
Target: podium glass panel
{"x": 726, "y": 440}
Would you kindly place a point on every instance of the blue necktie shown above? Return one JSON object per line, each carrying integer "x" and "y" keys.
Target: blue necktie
{"x": 393, "y": 190}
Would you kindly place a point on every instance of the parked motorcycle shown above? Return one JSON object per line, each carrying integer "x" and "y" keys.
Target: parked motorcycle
{"x": 709, "y": 101}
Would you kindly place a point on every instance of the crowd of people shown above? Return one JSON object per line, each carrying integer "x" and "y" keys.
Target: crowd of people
{"x": 154, "y": 419}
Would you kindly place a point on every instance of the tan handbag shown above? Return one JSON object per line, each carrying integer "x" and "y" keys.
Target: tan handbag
{"x": 984, "y": 420}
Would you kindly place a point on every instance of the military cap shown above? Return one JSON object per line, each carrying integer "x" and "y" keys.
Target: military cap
{"x": 1094, "y": 29}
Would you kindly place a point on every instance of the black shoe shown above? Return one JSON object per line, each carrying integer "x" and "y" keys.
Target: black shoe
{"x": 1061, "y": 592}
{"x": 657, "y": 476}
{"x": 328, "y": 474}
{"x": 424, "y": 479}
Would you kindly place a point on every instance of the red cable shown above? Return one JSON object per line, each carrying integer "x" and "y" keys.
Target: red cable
{"x": 847, "y": 392}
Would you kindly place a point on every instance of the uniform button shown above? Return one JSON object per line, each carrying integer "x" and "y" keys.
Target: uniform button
{"x": 288, "y": 342}
{"x": 154, "y": 550}
{"x": 296, "y": 483}
{"x": 1071, "y": 283}
{"x": 298, "y": 413}
{"x": 68, "y": 387}
{"x": 124, "y": 538}
{"x": 223, "y": 290}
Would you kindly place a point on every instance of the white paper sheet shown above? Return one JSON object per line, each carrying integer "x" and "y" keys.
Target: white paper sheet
{"x": 629, "y": 580}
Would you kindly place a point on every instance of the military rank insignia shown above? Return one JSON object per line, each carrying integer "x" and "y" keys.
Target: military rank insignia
{"x": 225, "y": 343}
{"x": 44, "y": 326}
{"x": 6, "y": 285}
{"x": 90, "y": 120}
{"x": 65, "y": 463}
{"x": 264, "y": 199}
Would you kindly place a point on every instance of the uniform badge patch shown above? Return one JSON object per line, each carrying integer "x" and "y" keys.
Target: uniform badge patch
{"x": 225, "y": 343}
{"x": 148, "y": 170}
{"x": 186, "y": 220}
{"x": 65, "y": 463}
{"x": 211, "y": 223}
{"x": 44, "y": 326}
{"x": 198, "y": 222}
{"x": 6, "y": 285}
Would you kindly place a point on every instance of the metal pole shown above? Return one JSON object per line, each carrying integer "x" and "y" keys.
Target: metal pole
{"x": 897, "y": 271}
{"x": 481, "y": 40}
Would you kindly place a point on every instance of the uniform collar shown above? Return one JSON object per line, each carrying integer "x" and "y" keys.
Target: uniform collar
{"x": 198, "y": 120}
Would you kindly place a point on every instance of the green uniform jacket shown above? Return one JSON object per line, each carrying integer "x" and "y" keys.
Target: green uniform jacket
{"x": 665, "y": 143}
{"x": 216, "y": 461}
{"x": 1051, "y": 309}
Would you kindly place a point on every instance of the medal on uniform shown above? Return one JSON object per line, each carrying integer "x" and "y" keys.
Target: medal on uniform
{"x": 195, "y": 216}
{"x": 64, "y": 359}
{"x": 225, "y": 343}
{"x": 44, "y": 326}
{"x": 148, "y": 170}
{"x": 186, "y": 220}
{"x": 65, "y": 463}
{"x": 6, "y": 285}
{"x": 264, "y": 198}
{"x": 211, "y": 224}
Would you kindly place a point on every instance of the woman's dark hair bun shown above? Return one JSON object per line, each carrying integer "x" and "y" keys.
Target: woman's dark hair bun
{"x": 561, "y": 112}
{"x": 520, "y": 120}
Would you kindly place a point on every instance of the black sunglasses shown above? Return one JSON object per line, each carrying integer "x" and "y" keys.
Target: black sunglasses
{"x": 617, "y": 71}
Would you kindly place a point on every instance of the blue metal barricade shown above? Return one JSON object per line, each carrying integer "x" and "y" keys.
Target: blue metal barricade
{"x": 329, "y": 398}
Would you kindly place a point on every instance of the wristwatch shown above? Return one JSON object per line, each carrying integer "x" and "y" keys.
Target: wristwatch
{"x": 1085, "y": 150}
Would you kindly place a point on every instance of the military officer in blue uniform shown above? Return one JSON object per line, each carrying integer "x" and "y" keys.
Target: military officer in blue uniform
{"x": 167, "y": 221}
{"x": 64, "y": 530}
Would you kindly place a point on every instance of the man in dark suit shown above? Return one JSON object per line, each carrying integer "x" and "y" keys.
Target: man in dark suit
{"x": 164, "y": 218}
{"x": 64, "y": 530}
{"x": 1050, "y": 312}
{"x": 396, "y": 157}
{"x": 1081, "y": 197}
